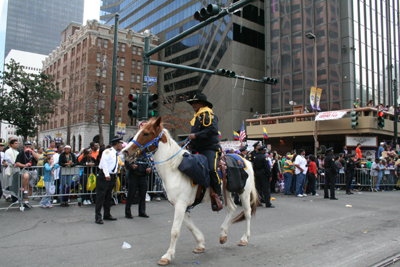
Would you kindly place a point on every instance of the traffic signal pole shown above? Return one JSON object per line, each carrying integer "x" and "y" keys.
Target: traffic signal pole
{"x": 396, "y": 113}
{"x": 114, "y": 80}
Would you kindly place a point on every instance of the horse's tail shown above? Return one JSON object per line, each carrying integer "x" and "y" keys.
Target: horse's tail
{"x": 253, "y": 204}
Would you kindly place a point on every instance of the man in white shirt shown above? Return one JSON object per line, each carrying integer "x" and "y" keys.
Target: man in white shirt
{"x": 301, "y": 170}
{"x": 105, "y": 181}
{"x": 56, "y": 175}
{"x": 3, "y": 161}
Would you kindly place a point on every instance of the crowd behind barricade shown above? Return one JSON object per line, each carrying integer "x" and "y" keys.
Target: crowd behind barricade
{"x": 57, "y": 174}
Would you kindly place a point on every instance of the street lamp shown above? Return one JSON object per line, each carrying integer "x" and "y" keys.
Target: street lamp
{"x": 310, "y": 35}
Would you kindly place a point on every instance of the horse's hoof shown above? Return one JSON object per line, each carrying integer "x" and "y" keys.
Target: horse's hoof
{"x": 163, "y": 262}
{"x": 199, "y": 250}
{"x": 242, "y": 243}
{"x": 222, "y": 240}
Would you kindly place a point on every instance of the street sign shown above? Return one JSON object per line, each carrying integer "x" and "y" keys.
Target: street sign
{"x": 150, "y": 84}
{"x": 141, "y": 124}
{"x": 150, "y": 79}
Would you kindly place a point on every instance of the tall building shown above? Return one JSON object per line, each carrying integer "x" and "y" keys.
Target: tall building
{"x": 235, "y": 42}
{"x": 82, "y": 66}
{"x": 357, "y": 52}
{"x": 35, "y": 25}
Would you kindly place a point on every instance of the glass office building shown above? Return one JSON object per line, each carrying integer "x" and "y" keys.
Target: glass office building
{"x": 357, "y": 51}
{"x": 35, "y": 25}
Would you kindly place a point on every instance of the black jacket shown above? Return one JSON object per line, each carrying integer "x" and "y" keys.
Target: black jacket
{"x": 330, "y": 165}
{"x": 63, "y": 159}
{"x": 140, "y": 171}
{"x": 87, "y": 170}
{"x": 350, "y": 166}
{"x": 261, "y": 165}
{"x": 206, "y": 131}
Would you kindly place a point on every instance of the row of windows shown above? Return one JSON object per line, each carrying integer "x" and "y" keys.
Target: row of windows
{"x": 104, "y": 43}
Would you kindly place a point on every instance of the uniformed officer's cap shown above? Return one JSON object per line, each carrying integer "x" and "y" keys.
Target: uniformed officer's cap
{"x": 261, "y": 148}
{"x": 243, "y": 148}
{"x": 201, "y": 98}
{"x": 27, "y": 143}
{"x": 256, "y": 143}
{"x": 2, "y": 142}
{"x": 116, "y": 140}
{"x": 329, "y": 149}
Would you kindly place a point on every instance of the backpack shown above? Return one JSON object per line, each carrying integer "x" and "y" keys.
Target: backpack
{"x": 196, "y": 167}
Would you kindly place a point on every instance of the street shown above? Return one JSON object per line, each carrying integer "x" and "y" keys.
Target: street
{"x": 309, "y": 231}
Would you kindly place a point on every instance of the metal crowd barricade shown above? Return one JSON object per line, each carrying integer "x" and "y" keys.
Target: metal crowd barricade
{"x": 11, "y": 185}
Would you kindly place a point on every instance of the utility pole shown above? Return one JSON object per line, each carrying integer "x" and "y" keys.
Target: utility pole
{"x": 114, "y": 80}
{"x": 396, "y": 113}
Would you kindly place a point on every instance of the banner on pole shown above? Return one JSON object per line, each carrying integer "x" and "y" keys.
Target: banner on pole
{"x": 313, "y": 93}
{"x": 318, "y": 99}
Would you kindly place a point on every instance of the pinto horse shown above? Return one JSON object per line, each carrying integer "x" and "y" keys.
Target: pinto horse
{"x": 157, "y": 141}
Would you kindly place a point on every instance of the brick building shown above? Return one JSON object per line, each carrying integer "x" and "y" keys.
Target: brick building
{"x": 82, "y": 66}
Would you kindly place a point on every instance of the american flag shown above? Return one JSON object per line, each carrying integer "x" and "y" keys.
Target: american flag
{"x": 242, "y": 134}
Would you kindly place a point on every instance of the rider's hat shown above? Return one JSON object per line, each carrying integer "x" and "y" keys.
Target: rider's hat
{"x": 201, "y": 98}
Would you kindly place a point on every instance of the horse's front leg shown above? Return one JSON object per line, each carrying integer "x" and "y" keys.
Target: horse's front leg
{"x": 231, "y": 208}
{"x": 180, "y": 209}
{"x": 196, "y": 233}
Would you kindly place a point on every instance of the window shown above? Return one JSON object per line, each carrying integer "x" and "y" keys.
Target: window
{"x": 55, "y": 124}
{"x": 139, "y": 65}
{"x": 83, "y": 57}
{"x": 65, "y": 57}
{"x": 132, "y": 90}
{"x": 97, "y": 71}
{"x": 102, "y": 103}
{"x": 84, "y": 42}
{"x": 59, "y": 61}
{"x": 83, "y": 72}
{"x": 133, "y": 64}
{"x": 103, "y": 90}
{"x": 122, "y": 61}
{"x": 62, "y": 123}
{"x": 64, "y": 70}
{"x": 121, "y": 91}
{"x": 72, "y": 65}
{"x": 138, "y": 78}
{"x": 98, "y": 56}
{"x": 121, "y": 76}
{"x": 117, "y": 61}
{"x": 78, "y": 48}
{"x": 119, "y": 105}
{"x": 51, "y": 125}
{"x": 99, "y": 41}
{"x": 122, "y": 47}
{"x": 102, "y": 118}
{"x": 134, "y": 50}
{"x": 132, "y": 77}
{"x": 78, "y": 60}
{"x": 104, "y": 75}
{"x": 73, "y": 52}
{"x": 105, "y": 43}
{"x": 139, "y": 52}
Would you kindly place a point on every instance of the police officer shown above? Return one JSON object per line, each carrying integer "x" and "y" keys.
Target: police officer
{"x": 137, "y": 180}
{"x": 243, "y": 151}
{"x": 106, "y": 180}
{"x": 251, "y": 156}
{"x": 262, "y": 171}
{"x": 330, "y": 174}
{"x": 349, "y": 167}
{"x": 205, "y": 140}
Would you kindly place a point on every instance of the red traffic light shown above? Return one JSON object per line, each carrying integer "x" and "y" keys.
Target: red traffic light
{"x": 133, "y": 97}
{"x": 380, "y": 113}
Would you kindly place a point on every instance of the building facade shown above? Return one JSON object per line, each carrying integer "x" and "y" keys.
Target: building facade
{"x": 82, "y": 66}
{"x": 235, "y": 42}
{"x": 356, "y": 45}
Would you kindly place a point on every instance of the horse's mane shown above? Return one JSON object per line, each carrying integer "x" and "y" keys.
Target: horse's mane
{"x": 174, "y": 148}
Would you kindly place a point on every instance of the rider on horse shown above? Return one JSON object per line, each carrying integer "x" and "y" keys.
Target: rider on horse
{"x": 205, "y": 140}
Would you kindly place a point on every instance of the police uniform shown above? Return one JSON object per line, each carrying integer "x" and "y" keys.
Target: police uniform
{"x": 108, "y": 168}
{"x": 330, "y": 175}
{"x": 262, "y": 172}
{"x": 252, "y": 155}
{"x": 205, "y": 128}
{"x": 137, "y": 180}
{"x": 350, "y": 166}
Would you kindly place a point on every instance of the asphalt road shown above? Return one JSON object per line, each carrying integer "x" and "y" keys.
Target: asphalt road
{"x": 308, "y": 231}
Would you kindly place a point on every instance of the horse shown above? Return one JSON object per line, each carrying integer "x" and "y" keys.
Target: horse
{"x": 154, "y": 139}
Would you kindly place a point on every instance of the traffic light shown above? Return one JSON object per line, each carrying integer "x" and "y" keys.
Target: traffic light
{"x": 133, "y": 106}
{"x": 152, "y": 105}
{"x": 226, "y": 73}
{"x": 206, "y": 13}
{"x": 381, "y": 119}
{"x": 270, "y": 81}
{"x": 354, "y": 119}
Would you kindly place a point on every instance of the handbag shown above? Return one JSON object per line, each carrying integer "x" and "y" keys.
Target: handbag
{"x": 8, "y": 171}
{"x": 40, "y": 184}
{"x": 91, "y": 183}
{"x": 52, "y": 189}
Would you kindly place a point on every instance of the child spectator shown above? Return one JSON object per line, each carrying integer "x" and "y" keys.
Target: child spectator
{"x": 49, "y": 168}
{"x": 374, "y": 173}
{"x": 311, "y": 176}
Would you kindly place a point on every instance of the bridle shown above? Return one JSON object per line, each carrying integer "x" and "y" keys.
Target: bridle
{"x": 145, "y": 147}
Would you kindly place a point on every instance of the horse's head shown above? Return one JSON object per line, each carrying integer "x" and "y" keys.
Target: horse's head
{"x": 146, "y": 140}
